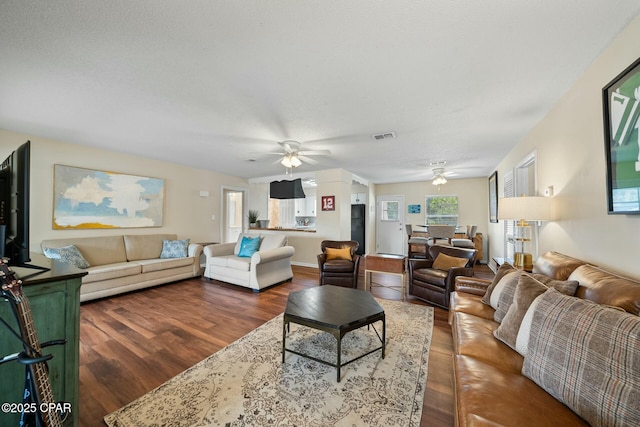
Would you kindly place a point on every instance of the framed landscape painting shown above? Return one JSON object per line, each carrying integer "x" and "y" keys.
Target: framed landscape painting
{"x": 621, "y": 111}
{"x": 87, "y": 198}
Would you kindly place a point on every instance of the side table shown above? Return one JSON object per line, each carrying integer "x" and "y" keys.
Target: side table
{"x": 203, "y": 259}
{"x": 386, "y": 264}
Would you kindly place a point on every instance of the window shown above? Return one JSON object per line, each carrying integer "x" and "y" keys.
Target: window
{"x": 442, "y": 210}
{"x": 282, "y": 213}
{"x": 389, "y": 210}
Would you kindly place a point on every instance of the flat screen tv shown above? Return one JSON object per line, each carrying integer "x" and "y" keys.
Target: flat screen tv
{"x": 14, "y": 208}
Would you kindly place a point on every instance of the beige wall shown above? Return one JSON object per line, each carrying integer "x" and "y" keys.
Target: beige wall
{"x": 185, "y": 212}
{"x": 473, "y": 199}
{"x": 570, "y": 156}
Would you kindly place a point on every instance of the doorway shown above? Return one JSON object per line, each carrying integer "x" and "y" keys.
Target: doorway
{"x": 390, "y": 225}
{"x": 233, "y": 214}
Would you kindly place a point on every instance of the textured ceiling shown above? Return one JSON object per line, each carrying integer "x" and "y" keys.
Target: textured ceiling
{"x": 214, "y": 84}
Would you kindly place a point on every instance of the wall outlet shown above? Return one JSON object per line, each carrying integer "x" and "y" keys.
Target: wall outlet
{"x": 548, "y": 192}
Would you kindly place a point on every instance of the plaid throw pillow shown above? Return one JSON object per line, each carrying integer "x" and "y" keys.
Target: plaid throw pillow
{"x": 587, "y": 356}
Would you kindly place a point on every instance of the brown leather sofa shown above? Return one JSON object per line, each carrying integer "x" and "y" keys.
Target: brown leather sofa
{"x": 435, "y": 285}
{"x": 490, "y": 389}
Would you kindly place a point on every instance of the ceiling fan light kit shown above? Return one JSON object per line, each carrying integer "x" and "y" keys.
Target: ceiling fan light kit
{"x": 291, "y": 161}
{"x": 439, "y": 177}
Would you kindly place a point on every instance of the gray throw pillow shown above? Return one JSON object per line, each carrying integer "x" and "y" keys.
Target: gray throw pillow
{"x": 502, "y": 270}
{"x": 528, "y": 289}
{"x": 502, "y": 295}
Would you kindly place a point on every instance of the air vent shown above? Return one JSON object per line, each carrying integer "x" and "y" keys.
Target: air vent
{"x": 386, "y": 135}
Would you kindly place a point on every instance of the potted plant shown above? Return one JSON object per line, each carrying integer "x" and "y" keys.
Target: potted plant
{"x": 253, "y": 217}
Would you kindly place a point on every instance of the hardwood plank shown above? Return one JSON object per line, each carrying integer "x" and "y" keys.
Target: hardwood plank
{"x": 132, "y": 343}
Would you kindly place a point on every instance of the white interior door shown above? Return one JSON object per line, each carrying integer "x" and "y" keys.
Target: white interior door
{"x": 233, "y": 215}
{"x": 390, "y": 225}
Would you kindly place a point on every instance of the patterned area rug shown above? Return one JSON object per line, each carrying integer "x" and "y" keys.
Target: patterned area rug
{"x": 246, "y": 383}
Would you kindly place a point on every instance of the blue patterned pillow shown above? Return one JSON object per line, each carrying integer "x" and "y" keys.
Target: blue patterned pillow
{"x": 67, "y": 254}
{"x": 249, "y": 246}
{"x": 175, "y": 248}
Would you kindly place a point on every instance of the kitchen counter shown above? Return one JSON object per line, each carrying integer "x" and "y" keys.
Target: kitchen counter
{"x": 304, "y": 230}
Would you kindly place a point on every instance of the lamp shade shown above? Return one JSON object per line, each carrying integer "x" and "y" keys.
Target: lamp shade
{"x": 532, "y": 208}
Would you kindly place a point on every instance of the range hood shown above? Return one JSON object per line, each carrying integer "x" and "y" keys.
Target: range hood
{"x": 286, "y": 189}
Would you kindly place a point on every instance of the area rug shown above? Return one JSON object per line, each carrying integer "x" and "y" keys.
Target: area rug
{"x": 246, "y": 383}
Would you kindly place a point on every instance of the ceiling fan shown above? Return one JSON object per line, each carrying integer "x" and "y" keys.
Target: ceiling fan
{"x": 292, "y": 156}
{"x": 439, "y": 176}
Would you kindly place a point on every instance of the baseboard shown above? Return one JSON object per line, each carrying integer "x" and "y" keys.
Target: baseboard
{"x": 304, "y": 264}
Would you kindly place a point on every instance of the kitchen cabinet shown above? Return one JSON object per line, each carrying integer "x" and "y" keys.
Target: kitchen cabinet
{"x": 359, "y": 198}
{"x": 306, "y": 206}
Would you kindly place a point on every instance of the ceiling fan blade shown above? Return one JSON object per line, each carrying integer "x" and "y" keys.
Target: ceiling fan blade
{"x": 315, "y": 153}
{"x": 307, "y": 159}
{"x": 260, "y": 153}
{"x": 290, "y": 146}
{"x": 279, "y": 159}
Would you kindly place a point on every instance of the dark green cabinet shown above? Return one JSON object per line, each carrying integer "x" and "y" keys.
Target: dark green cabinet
{"x": 54, "y": 297}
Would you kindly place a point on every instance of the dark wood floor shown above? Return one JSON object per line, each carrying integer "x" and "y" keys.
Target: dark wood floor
{"x": 132, "y": 343}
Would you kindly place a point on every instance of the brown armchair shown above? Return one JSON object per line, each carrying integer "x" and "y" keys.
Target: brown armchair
{"x": 339, "y": 264}
{"x": 432, "y": 280}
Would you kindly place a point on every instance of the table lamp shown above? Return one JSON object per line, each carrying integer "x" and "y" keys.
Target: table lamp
{"x": 523, "y": 209}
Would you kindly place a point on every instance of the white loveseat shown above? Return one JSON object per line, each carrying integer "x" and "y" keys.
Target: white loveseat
{"x": 120, "y": 264}
{"x": 270, "y": 265}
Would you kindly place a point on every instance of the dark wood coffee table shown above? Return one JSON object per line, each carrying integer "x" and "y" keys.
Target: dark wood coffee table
{"x": 335, "y": 310}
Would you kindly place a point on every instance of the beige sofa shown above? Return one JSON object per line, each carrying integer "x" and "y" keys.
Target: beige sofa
{"x": 270, "y": 265}
{"x": 125, "y": 263}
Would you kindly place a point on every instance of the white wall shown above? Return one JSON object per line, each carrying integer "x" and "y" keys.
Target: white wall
{"x": 571, "y": 157}
{"x": 185, "y": 213}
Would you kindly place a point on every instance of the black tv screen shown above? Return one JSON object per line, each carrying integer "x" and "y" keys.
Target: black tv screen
{"x": 14, "y": 205}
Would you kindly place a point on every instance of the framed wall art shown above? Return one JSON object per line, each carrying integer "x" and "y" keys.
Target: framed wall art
{"x": 621, "y": 111}
{"x": 87, "y": 198}
{"x": 328, "y": 203}
{"x": 414, "y": 209}
{"x": 493, "y": 197}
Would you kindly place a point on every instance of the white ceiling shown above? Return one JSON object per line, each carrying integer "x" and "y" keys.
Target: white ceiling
{"x": 212, "y": 83}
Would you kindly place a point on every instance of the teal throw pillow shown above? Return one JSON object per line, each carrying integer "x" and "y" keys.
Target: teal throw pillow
{"x": 67, "y": 254}
{"x": 175, "y": 248}
{"x": 249, "y": 246}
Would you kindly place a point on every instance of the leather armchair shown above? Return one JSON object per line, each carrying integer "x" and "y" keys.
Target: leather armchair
{"x": 434, "y": 285}
{"x": 339, "y": 272}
